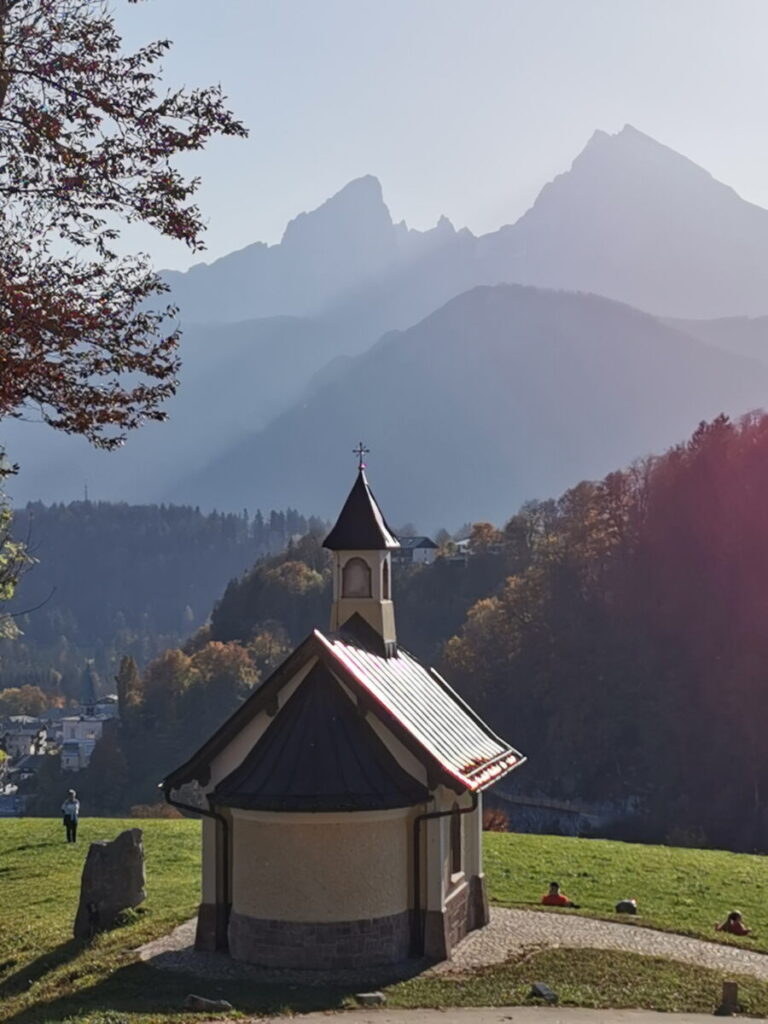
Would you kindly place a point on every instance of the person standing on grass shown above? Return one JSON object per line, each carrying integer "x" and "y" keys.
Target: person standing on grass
{"x": 71, "y": 811}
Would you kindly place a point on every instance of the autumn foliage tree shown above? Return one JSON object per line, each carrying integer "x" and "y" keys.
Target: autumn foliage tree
{"x": 628, "y": 660}
{"x": 88, "y": 138}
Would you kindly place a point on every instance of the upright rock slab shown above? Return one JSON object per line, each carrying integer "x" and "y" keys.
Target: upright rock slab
{"x": 113, "y": 880}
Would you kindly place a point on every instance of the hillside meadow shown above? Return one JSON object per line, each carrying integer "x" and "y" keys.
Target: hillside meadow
{"x": 47, "y": 976}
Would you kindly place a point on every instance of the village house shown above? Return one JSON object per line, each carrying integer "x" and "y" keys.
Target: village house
{"x": 415, "y": 551}
{"x": 23, "y": 735}
{"x": 341, "y": 803}
{"x": 81, "y": 732}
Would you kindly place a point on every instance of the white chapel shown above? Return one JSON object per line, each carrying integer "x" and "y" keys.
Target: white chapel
{"x": 341, "y": 803}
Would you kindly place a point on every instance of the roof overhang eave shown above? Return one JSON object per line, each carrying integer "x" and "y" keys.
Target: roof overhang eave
{"x": 489, "y": 774}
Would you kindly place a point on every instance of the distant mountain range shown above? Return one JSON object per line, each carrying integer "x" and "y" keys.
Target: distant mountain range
{"x": 279, "y": 340}
{"x": 505, "y": 393}
{"x": 632, "y": 220}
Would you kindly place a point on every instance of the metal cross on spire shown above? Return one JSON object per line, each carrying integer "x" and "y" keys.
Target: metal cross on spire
{"x": 360, "y": 452}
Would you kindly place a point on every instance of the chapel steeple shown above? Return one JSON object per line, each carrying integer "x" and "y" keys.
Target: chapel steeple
{"x": 362, "y": 543}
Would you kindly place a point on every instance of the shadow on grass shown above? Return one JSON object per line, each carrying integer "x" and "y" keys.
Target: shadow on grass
{"x": 34, "y": 971}
{"x": 140, "y": 989}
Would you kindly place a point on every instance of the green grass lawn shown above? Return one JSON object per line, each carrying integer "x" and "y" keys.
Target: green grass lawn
{"x": 40, "y": 883}
{"x": 46, "y": 976}
{"x": 596, "y": 978}
{"x": 676, "y": 889}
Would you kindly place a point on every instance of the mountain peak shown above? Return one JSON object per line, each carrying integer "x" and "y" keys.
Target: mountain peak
{"x": 632, "y": 147}
{"x": 629, "y": 140}
{"x": 360, "y": 203}
{"x": 367, "y": 185}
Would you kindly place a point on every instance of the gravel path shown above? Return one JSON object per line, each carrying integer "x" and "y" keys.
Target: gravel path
{"x": 509, "y": 931}
{"x": 512, "y": 930}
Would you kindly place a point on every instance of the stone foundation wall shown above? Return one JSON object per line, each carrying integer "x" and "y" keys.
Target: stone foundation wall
{"x": 319, "y": 946}
{"x": 466, "y": 908}
{"x": 457, "y": 911}
{"x": 211, "y": 933}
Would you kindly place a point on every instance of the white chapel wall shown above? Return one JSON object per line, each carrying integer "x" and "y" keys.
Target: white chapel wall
{"x": 208, "y": 841}
{"x": 321, "y": 867}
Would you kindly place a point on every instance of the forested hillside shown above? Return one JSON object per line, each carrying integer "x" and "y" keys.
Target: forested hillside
{"x": 629, "y": 658}
{"x": 116, "y": 579}
{"x": 616, "y": 635}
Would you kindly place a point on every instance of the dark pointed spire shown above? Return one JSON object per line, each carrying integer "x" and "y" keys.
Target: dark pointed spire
{"x": 361, "y": 525}
{"x": 88, "y": 686}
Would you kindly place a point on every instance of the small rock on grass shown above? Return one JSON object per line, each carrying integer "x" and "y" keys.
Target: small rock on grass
{"x": 541, "y": 991}
{"x": 193, "y": 1002}
{"x": 371, "y": 998}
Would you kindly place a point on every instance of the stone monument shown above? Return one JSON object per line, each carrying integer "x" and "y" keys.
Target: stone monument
{"x": 113, "y": 880}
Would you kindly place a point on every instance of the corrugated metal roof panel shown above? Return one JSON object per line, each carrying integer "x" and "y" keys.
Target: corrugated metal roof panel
{"x": 434, "y": 714}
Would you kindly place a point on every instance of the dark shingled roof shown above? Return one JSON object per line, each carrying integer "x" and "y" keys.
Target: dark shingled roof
{"x": 361, "y": 525}
{"x": 88, "y": 687}
{"x": 319, "y": 754}
{"x": 414, "y": 702}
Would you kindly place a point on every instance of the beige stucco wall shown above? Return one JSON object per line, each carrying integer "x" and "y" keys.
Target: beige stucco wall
{"x": 321, "y": 867}
{"x": 377, "y": 611}
{"x": 208, "y": 838}
{"x": 473, "y": 840}
{"x": 440, "y": 880}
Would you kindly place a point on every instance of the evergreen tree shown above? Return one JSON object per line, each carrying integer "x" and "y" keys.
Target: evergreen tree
{"x": 129, "y": 687}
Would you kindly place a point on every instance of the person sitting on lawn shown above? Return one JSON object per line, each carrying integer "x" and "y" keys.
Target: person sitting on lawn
{"x": 555, "y": 898}
{"x": 733, "y": 924}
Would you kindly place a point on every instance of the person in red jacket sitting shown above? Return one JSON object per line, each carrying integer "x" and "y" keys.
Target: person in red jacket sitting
{"x": 733, "y": 924}
{"x": 555, "y": 898}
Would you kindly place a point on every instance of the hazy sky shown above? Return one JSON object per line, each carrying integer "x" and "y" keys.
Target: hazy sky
{"x": 461, "y": 108}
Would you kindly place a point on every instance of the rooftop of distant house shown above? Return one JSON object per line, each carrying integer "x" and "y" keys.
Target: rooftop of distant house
{"x": 409, "y": 543}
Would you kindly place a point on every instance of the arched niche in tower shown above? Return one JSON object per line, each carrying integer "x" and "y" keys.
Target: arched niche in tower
{"x": 385, "y": 580}
{"x": 356, "y": 578}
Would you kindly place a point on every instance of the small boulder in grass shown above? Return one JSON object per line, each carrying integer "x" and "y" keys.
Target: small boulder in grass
{"x": 541, "y": 991}
{"x": 193, "y": 1002}
{"x": 370, "y": 998}
{"x": 112, "y": 882}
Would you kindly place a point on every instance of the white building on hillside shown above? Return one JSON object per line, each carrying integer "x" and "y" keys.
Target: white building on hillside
{"x": 81, "y": 732}
{"x": 415, "y": 551}
{"x": 23, "y": 735}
